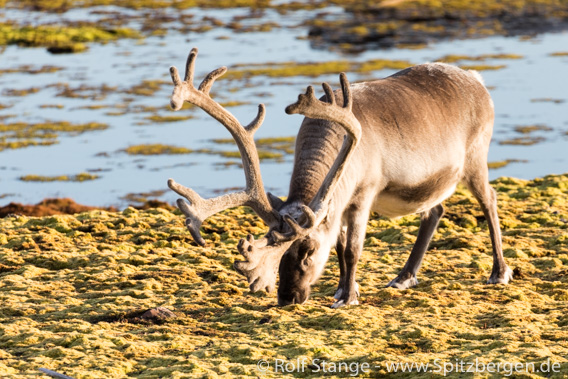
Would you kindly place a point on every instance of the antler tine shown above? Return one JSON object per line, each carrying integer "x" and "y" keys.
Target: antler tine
{"x": 175, "y": 76}
{"x": 328, "y": 93}
{"x": 199, "y": 209}
{"x": 296, "y": 230}
{"x": 347, "y": 98}
{"x": 258, "y": 120}
{"x": 190, "y": 65}
{"x": 207, "y": 83}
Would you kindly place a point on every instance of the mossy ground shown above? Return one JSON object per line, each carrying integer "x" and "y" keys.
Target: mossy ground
{"x": 71, "y": 286}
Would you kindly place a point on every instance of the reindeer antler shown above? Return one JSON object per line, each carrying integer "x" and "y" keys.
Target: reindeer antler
{"x": 262, "y": 256}
{"x": 309, "y": 106}
{"x": 267, "y": 252}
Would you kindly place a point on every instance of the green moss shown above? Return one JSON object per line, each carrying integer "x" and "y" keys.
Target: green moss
{"x": 20, "y": 92}
{"x": 547, "y": 100}
{"x": 527, "y": 129}
{"x": 382, "y": 24}
{"x": 156, "y": 149}
{"x": 501, "y": 164}
{"x": 269, "y": 148}
{"x": 73, "y": 288}
{"x": 81, "y": 177}
{"x": 93, "y": 106}
{"x": 29, "y": 69}
{"x": 262, "y": 154}
{"x": 313, "y": 69}
{"x": 59, "y": 38}
{"x": 160, "y": 119}
{"x": 477, "y": 58}
{"x": 147, "y": 87}
{"x": 381, "y": 64}
{"x": 22, "y": 143}
{"x": 56, "y": 106}
{"x": 522, "y": 141}
{"x": 233, "y": 103}
{"x": 289, "y": 69}
{"x": 483, "y": 67}
{"x": 62, "y": 126}
{"x": 18, "y": 135}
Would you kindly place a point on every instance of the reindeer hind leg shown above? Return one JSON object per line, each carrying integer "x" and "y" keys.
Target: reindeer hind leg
{"x": 428, "y": 224}
{"x": 487, "y": 198}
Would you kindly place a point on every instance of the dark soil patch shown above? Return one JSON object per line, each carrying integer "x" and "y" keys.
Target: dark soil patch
{"x": 47, "y": 207}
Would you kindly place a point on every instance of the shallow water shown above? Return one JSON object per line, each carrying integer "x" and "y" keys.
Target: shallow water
{"x": 126, "y": 63}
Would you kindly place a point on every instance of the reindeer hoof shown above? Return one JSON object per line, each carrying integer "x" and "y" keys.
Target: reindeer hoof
{"x": 403, "y": 282}
{"x": 339, "y": 291}
{"x": 343, "y": 303}
{"x": 501, "y": 277}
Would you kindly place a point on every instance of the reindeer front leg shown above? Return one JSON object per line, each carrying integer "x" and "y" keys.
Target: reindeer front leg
{"x": 357, "y": 218}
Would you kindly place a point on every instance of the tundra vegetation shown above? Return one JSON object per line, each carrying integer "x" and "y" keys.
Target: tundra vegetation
{"x": 73, "y": 289}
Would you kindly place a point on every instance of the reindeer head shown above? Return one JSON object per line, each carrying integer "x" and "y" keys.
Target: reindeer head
{"x": 290, "y": 233}
{"x": 298, "y": 272}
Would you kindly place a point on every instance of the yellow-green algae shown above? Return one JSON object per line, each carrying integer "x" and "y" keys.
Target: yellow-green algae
{"x": 527, "y": 129}
{"x": 60, "y": 37}
{"x": 388, "y": 23}
{"x": 19, "y": 134}
{"x": 20, "y": 92}
{"x": 547, "y": 100}
{"x": 156, "y": 149}
{"x": 482, "y": 67}
{"x": 523, "y": 141}
{"x": 64, "y": 5}
{"x": 500, "y": 164}
{"x": 170, "y": 118}
{"x": 313, "y": 69}
{"x": 81, "y": 177}
{"x": 452, "y": 58}
{"x": 457, "y": 8}
{"x": 162, "y": 149}
{"x": 70, "y": 286}
{"x": 29, "y": 69}
{"x": 280, "y": 144}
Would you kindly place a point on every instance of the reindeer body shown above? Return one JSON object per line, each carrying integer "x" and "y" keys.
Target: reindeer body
{"x": 424, "y": 129}
{"x": 416, "y": 140}
{"x": 411, "y": 138}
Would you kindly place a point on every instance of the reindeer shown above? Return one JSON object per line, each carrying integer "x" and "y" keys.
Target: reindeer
{"x": 395, "y": 146}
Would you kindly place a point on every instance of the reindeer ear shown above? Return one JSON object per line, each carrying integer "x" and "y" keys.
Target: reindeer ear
{"x": 275, "y": 201}
{"x": 306, "y": 249}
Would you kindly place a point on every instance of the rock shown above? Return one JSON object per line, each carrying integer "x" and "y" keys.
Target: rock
{"x": 157, "y": 313}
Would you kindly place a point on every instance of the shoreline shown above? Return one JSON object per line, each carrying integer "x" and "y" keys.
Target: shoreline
{"x": 68, "y": 206}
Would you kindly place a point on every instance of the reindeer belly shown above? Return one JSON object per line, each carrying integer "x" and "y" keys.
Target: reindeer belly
{"x": 398, "y": 199}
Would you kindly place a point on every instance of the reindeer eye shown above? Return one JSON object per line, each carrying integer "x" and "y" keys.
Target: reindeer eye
{"x": 309, "y": 246}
